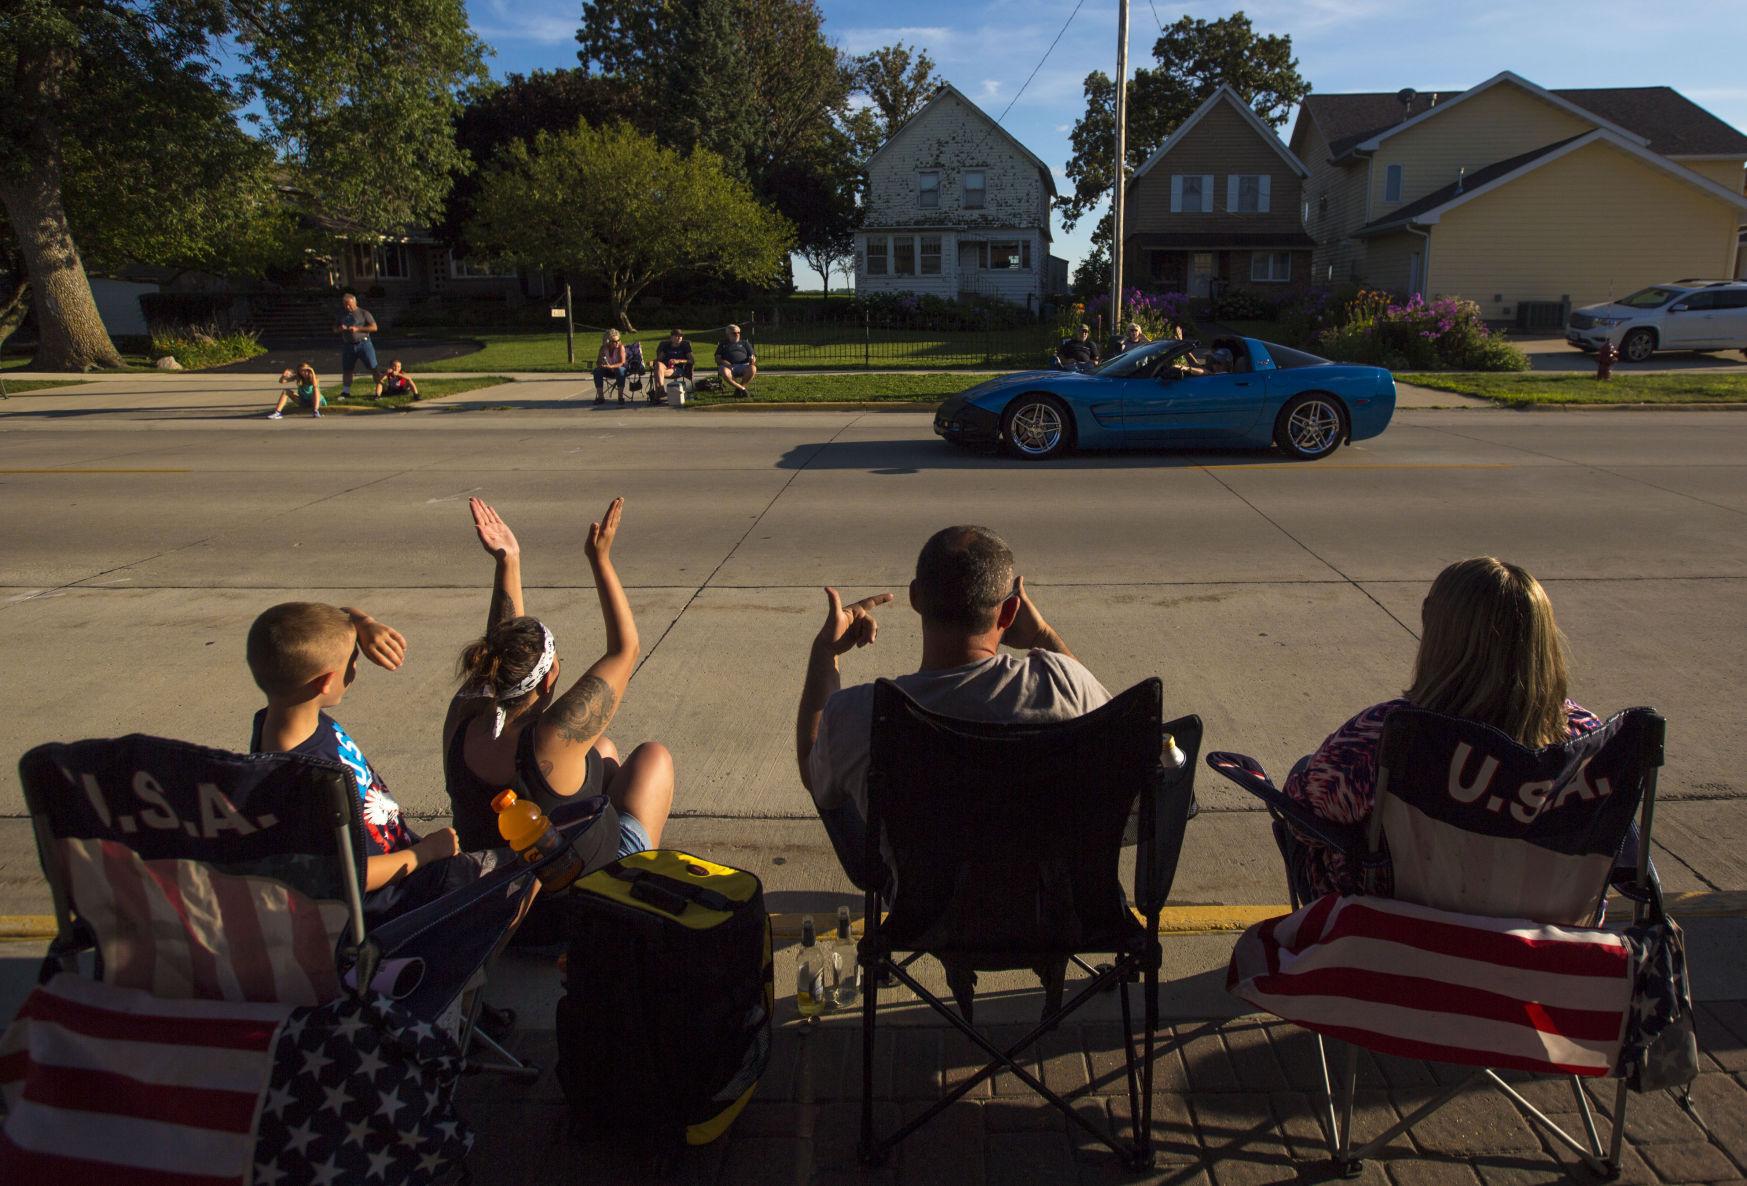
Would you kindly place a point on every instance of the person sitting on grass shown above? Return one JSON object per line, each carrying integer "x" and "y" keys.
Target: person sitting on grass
{"x": 736, "y": 362}
{"x": 395, "y": 381}
{"x": 1489, "y": 651}
{"x": 1078, "y": 353}
{"x": 673, "y": 358}
{"x": 972, "y": 605}
{"x": 609, "y": 363}
{"x": 510, "y": 726}
{"x": 300, "y": 385}
{"x": 304, "y": 656}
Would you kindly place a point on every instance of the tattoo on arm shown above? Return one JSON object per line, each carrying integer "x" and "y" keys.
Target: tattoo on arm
{"x": 582, "y": 714}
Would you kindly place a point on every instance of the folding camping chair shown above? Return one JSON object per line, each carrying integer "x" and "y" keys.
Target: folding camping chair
{"x": 1468, "y": 825}
{"x": 213, "y": 888}
{"x": 1003, "y": 842}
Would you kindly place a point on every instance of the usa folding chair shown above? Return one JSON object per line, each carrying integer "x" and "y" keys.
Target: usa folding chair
{"x": 1476, "y": 939}
{"x": 1003, "y": 843}
{"x": 196, "y": 890}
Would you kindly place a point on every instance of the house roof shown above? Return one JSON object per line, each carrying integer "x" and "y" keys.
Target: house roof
{"x": 1427, "y": 210}
{"x": 946, "y": 88}
{"x": 1227, "y": 95}
{"x": 1207, "y": 240}
{"x": 1668, "y": 121}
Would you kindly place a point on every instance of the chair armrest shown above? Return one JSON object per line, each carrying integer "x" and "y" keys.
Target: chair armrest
{"x": 1247, "y": 773}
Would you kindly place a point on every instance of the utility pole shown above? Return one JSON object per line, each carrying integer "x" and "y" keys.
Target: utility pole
{"x": 570, "y": 327}
{"x": 1117, "y": 201}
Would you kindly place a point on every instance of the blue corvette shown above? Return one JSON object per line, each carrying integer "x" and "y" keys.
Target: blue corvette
{"x": 1303, "y": 404}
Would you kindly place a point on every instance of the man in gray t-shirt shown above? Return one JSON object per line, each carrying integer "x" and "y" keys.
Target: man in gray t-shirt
{"x": 355, "y": 327}
{"x": 972, "y": 605}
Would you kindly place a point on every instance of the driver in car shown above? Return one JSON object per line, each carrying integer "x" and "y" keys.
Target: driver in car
{"x": 1218, "y": 363}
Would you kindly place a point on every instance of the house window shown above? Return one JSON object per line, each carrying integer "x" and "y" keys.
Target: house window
{"x": 1247, "y": 193}
{"x": 928, "y": 189}
{"x": 930, "y": 255}
{"x": 479, "y": 268}
{"x": 975, "y": 189}
{"x": 1322, "y": 206}
{"x": 1192, "y": 193}
{"x": 1011, "y": 256}
{"x": 1392, "y": 184}
{"x": 1270, "y": 267}
{"x": 380, "y": 261}
{"x": 876, "y": 256}
{"x": 903, "y": 255}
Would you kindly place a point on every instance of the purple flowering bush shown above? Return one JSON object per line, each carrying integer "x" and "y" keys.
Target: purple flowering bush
{"x": 1446, "y": 334}
{"x": 1158, "y": 314}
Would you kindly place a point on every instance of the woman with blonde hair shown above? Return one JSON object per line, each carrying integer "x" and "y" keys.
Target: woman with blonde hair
{"x": 609, "y": 363}
{"x": 300, "y": 385}
{"x": 1489, "y": 651}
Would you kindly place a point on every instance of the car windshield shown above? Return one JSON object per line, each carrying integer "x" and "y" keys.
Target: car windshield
{"x": 1131, "y": 363}
{"x": 1648, "y": 298}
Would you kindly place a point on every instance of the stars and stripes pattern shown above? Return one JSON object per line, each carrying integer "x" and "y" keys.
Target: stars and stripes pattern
{"x": 104, "y": 1084}
{"x": 1408, "y": 980}
{"x": 178, "y": 929}
{"x": 361, "y": 1092}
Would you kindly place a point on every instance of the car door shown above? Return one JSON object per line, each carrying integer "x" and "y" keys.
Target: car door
{"x": 1689, "y": 324}
{"x": 1179, "y": 408}
{"x": 1731, "y": 318}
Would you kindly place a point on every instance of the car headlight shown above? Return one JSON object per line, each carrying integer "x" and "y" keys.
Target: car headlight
{"x": 1609, "y": 322}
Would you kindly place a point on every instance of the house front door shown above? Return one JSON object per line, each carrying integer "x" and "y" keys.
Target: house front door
{"x": 1201, "y": 274}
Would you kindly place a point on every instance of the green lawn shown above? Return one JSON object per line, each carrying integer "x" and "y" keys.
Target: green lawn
{"x": 24, "y": 386}
{"x": 429, "y": 389}
{"x": 134, "y": 362}
{"x": 831, "y": 389}
{"x": 1694, "y": 387}
{"x": 799, "y": 348}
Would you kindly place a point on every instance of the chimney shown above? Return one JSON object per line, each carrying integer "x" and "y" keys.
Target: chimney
{"x": 1406, "y": 95}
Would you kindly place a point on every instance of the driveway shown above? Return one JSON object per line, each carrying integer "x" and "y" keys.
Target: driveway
{"x": 1555, "y": 354}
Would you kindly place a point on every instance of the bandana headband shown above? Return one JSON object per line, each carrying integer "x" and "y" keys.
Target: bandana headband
{"x": 548, "y": 653}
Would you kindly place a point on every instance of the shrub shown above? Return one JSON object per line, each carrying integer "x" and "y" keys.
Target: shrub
{"x": 200, "y": 347}
{"x": 171, "y": 311}
{"x": 1443, "y": 335}
{"x": 1243, "y": 304}
{"x": 1158, "y": 314}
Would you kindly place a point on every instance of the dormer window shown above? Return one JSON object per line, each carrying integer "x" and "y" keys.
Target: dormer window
{"x": 928, "y": 189}
{"x": 975, "y": 187}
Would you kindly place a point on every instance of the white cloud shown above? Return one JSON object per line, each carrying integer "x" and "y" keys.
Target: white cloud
{"x": 991, "y": 88}
{"x": 1064, "y": 127}
{"x": 938, "y": 40}
{"x": 545, "y": 24}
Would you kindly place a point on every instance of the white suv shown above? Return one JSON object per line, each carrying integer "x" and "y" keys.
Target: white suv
{"x": 1684, "y": 315}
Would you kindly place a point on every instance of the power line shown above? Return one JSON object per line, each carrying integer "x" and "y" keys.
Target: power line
{"x": 1058, "y": 37}
{"x": 1156, "y": 18}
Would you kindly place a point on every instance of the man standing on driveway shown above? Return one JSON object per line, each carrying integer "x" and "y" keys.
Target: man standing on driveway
{"x": 355, "y": 327}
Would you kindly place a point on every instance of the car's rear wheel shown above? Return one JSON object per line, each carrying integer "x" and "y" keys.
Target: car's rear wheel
{"x": 1310, "y": 426}
{"x": 1037, "y": 427}
{"x": 1638, "y": 345}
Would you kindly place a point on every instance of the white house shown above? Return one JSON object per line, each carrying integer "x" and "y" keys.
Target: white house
{"x": 957, "y": 207}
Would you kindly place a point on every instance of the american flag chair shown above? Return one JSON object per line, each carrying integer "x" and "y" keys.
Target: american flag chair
{"x": 213, "y": 1007}
{"x": 1477, "y": 938}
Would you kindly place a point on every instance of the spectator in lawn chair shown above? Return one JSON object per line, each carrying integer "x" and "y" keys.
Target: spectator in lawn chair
{"x": 395, "y": 381}
{"x": 1133, "y": 338}
{"x": 673, "y": 357}
{"x": 510, "y": 724}
{"x": 609, "y": 363}
{"x": 1078, "y": 353}
{"x": 1489, "y": 651}
{"x": 735, "y": 362}
{"x": 987, "y": 655}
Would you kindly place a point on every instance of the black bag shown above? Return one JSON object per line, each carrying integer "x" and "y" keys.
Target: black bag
{"x": 664, "y": 1026}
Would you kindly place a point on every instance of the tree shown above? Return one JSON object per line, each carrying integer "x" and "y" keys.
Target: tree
{"x": 614, "y": 204}
{"x": 818, "y": 196}
{"x": 897, "y": 81}
{"x": 357, "y": 102}
{"x": 1194, "y": 58}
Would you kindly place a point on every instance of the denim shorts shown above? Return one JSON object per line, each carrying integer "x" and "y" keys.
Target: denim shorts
{"x": 633, "y": 838}
{"x": 352, "y": 352}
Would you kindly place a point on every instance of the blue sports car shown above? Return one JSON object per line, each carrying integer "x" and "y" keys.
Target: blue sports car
{"x": 1252, "y": 395}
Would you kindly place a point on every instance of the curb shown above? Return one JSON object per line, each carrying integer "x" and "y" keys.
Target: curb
{"x": 885, "y": 405}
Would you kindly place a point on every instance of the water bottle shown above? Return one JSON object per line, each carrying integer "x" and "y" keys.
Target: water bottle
{"x": 809, "y": 974}
{"x": 1174, "y": 758}
{"x": 526, "y": 829}
{"x": 845, "y": 967}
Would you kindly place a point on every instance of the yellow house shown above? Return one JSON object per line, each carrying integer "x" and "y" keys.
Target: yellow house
{"x": 1518, "y": 197}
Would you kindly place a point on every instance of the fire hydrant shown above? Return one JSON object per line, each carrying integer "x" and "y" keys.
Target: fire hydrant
{"x": 1605, "y": 359}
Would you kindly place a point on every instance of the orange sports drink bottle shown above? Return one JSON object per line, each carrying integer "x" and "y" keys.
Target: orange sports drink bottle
{"x": 526, "y": 829}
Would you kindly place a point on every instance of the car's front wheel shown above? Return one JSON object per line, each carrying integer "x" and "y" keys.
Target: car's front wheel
{"x": 1310, "y": 426}
{"x": 1638, "y": 346}
{"x": 1037, "y": 428}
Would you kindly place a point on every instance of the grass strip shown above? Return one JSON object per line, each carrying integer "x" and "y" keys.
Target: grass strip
{"x": 25, "y": 386}
{"x": 1530, "y": 390}
{"x": 429, "y": 389}
{"x": 838, "y": 389}
{"x": 799, "y": 348}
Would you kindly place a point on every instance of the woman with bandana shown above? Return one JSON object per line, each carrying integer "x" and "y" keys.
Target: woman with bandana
{"x": 511, "y": 726}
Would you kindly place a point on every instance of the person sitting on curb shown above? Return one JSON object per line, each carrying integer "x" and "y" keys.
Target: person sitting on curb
{"x": 1078, "y": 353}
{"x": 609, "y": 363}
{"x": 972, "y": 605}
{"x": 300, "y": 385}
{"x": 395, "y": 381}
{"x": 737, "y": 364}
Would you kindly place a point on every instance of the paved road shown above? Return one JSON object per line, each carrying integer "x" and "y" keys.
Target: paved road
{"x": 1273, "y": 598}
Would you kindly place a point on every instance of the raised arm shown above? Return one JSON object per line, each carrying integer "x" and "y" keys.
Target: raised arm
{"x": 845, "y": 628}
{"x": 500, "y": 544}
{"x": 579, "y": 717}
{"x": 1029, "y": 631}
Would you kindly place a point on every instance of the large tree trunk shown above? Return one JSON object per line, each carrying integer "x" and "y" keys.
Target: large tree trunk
{"x": 70, "y": 333}
{"x": 14, "y": 308}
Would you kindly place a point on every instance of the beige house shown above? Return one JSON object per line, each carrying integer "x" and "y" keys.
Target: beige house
{"x": 1513, "y": 195}
{"x": 1219, "y": 203}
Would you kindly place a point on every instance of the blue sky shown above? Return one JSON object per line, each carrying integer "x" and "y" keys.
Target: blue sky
{"x": 987, "y": 49}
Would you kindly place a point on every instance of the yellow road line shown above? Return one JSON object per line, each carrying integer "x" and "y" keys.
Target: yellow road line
{"x": 95, "y": 471}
